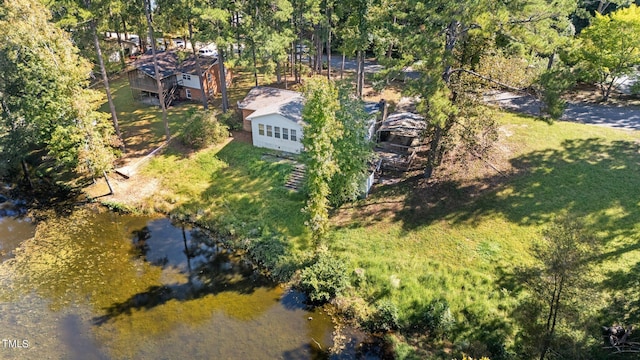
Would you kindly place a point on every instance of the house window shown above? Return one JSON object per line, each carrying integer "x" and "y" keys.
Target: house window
{"x": 269, "y": 130}
{"x": 186, "y": 77}
{"x": 276, "y": 131}
{"x": 261, "y": 129}
{"x": 294, "y": 136}
{"x": 285, "y": 133}
{"x": 188, "y": 93}
{"x": 209, "y": 76}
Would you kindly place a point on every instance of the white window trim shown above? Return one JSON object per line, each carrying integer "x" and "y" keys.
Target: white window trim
{"x": 188, "y": 93}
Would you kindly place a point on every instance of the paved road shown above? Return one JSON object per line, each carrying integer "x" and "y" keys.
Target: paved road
{"x": 623, "y": 117}
{"x": 604, "y": 115}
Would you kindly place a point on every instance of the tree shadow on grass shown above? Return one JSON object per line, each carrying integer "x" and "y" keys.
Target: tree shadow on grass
{"x": 624, "y": 307}
{"x": 584, "y": 177}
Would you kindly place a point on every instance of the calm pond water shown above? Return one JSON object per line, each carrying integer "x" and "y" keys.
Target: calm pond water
{"x": 14, "y": 227}
{"x": 97, "y": 285}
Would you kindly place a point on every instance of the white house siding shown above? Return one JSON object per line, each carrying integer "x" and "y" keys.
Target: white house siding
{"x": 194, "y": 82}
{"x": 271, "y": 142}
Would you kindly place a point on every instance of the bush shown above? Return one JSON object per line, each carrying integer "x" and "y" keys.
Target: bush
{"x": 325, "y": 279}
{"x": 438, "y": 318}
{"x": 434, "y": 317}
{"x": 385, "y": 318}
{"x": 232, "y": 120}
{"x": 203, "y": 129}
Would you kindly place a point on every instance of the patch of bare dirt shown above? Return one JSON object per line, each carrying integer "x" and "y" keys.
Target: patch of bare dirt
{"x": 133, "y": 191}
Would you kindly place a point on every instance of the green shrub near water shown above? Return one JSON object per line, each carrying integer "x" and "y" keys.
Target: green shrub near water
{"x": 385, "y": 317}
{"x": 325, "y": 279}
{"x": 204, "y": 129}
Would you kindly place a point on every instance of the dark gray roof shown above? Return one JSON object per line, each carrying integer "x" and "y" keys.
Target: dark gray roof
{"x": 188, "y": 66}
{"x": 290, "y": 109}
{"x": 167, "y": 63}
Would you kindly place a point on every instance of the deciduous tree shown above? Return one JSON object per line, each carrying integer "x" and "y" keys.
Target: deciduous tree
{"x": 353, "y": 149}
{"x": 43, "y": 96}
{"x": 319, "y": 114}
{"x": 556, "y": 279}
{"x": 609, "y": 48}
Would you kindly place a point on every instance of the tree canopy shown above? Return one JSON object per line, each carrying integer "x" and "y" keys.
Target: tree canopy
{"x": 44, "y": 96}
{"x": 610, "y": 48}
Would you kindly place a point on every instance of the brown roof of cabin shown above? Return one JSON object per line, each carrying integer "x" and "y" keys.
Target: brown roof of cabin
{"x": 167, "y": 63}
{"x": 188, "y": 66}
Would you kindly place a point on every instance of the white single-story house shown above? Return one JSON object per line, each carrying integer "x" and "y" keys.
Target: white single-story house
{"x": 274, "y": 118}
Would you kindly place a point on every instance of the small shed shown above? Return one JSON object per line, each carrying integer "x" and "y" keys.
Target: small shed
{"x": 402, "y": 128}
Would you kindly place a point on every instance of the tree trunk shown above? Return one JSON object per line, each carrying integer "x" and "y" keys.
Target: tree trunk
{"x": 319, "y": 52}
{"x": 255, "y": 65}
{"x": 607, "y": 90}
{"x": 342, "y": 68}
{"x": 237, "y": 25}
{"x": 105, "y": 79}
{"x": 362, "y": 58}
{"x": 329, "y": 54}
{"x": 124, "y": 29}
{"x": 391, "y": 43}
{"x": 205, "y": 96}
{"x": 278, "y": 72}
{"x": 602, "y": 6}
{"x": 27, "y": 177}
{"x": 157, "y": 71}
{"x": 106, "y": 178}
{"x": 452, "y": 35}
{"x": 434, "y": 146}
{"x": 116, "y": 24}
{"x": 551, "y": 60}
{"x": 223, "y": 81}
{"x": 358, "y": 74}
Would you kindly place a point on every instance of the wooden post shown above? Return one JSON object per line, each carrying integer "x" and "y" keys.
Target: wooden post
{"x": 108, "y": 183}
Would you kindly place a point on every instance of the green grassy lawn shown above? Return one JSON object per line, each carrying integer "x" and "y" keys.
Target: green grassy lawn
{"x": 460, "y": 250}
{"x": 141, "y": 125}
{"x": 411, "y": 243}
{"x": 465, "y": 251}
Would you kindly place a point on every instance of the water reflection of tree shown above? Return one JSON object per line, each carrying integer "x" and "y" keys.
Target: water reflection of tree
{"x": 210, "y": 269}
{"x": 140, "y": 238}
